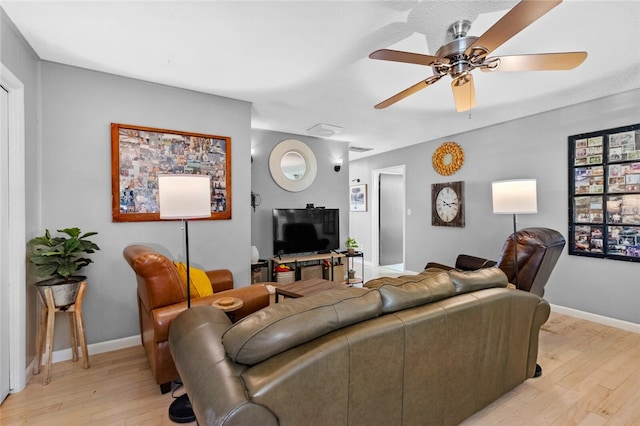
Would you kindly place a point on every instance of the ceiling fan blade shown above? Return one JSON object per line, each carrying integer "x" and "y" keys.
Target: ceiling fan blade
{"x": 521, "y": 16}
{"x": 406, "y": 92}
{"x": 408, "y": 57}
{"x": 464, "y": 92}
{"x": 538, "y": 62}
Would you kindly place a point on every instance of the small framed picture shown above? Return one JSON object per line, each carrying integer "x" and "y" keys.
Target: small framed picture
{"x": 358, "y": 198}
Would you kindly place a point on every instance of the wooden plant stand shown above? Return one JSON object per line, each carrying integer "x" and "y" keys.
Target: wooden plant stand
{"x": 48, "y": 312}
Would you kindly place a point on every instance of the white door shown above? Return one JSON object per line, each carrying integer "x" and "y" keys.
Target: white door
{"x": 398, "y": 215}
{"x": 391, "y": 192}
{"x": 4, "y": 225}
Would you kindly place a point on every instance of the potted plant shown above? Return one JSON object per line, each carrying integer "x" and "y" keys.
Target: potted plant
{"x": 60, "y": 258}
{"x": 352, "y": 274}
{"x": 352, "y": 245}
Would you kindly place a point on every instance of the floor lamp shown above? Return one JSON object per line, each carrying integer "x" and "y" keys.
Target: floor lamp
{"x": 184, "y": 197}
{"x": 515, "y": 196}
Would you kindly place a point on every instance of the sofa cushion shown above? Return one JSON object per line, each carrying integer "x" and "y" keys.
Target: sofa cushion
{"x": 467, "y": 281}
{"x": 413, "y": 290}
{"x": 284, "y": 325}
{"x": 200, "y": 285}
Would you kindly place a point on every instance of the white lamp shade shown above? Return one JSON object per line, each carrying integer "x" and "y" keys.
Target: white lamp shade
{"x": 184, "y": 196}
{"x": 515, "y": 196}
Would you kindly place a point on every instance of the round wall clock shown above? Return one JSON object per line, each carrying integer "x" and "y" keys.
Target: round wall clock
{"x": 448, "y": 158}
{"x": 447, "y": 204}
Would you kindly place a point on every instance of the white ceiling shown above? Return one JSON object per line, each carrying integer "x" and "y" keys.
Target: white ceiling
{"x": 306, "y": 62}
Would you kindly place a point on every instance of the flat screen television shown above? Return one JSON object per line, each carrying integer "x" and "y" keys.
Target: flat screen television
{"x": 298, "y": 231}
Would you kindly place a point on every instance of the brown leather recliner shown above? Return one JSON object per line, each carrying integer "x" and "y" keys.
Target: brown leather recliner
{"x": 162, "y": 296}
{"x": 538, "y": 251}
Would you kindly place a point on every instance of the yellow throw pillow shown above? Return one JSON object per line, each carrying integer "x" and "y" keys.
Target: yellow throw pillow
{"x": 200, "y": 284}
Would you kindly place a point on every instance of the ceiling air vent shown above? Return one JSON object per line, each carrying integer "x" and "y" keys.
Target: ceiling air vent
{"x": 359, "y": 149}
{"x": 325, "y": 130}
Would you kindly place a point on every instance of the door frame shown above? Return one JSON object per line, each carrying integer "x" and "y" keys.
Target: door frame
{"x": 375, "y": 212}
{"x": 16, "y": 240}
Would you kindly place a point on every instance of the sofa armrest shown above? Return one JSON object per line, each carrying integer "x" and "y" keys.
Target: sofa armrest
{"x": 213, "y": 382}
{"x": 438, "y": 266}
{"x": 471, "y": 263}
{"x": 464, "y": 262}
{"x": 221, "y": 279}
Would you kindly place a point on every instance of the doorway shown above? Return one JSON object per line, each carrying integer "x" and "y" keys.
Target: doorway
{"x": 388, "y": 218}
{"x": 4, "y": 226}
{"x": 12, "y": 235}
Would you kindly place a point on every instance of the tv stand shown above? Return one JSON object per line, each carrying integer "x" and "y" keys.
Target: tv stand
{"x": 300, "y": 261}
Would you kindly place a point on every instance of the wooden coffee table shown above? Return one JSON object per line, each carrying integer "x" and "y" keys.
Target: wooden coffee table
{"x": 306, "y": 287}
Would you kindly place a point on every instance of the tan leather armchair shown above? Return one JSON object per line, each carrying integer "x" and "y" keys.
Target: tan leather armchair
{"x": 538, "y": 251}
{"x": 162, "y": 296}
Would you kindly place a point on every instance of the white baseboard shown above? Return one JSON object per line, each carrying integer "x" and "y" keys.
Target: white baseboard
{"x": 98, "y": 348}
{"x": 612, "y": 322}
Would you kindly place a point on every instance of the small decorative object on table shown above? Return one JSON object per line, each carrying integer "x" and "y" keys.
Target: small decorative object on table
{"x": 255, "y": 255}
{"x": 284, "y": 274}
{"x": 352, "y": 245}
{"x": 227, "y": 304}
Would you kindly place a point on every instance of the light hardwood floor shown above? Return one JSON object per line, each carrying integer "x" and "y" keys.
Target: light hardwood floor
{"x": 591, "y": 377}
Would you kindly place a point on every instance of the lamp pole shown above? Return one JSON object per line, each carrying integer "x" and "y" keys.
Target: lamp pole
{"x": 184, "y": 197}
{"x": 515, "y": 249}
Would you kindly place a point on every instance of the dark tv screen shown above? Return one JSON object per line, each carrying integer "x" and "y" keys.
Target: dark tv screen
{"x": 305, "y": 231}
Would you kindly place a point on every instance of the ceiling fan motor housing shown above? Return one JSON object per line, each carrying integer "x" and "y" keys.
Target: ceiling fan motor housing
{"x": 454, "y": 51}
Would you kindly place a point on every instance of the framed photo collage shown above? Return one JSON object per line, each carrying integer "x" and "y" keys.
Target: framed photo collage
{"x": 604, "y": 194}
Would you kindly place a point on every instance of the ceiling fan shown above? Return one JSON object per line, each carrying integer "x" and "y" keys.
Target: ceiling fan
{"x": 466, "y": 53}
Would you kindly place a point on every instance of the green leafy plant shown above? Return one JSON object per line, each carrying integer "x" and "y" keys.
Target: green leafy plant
{"x": 351, "y": 243}
{"x": 62, "y": 256}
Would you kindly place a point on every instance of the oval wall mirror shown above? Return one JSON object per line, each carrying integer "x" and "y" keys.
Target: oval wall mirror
{"x": 293, "y": 165}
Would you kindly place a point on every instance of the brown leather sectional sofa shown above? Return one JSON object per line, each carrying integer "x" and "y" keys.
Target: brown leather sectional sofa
{"x": 425, "y": 349}
{"x": 162, "y": 296}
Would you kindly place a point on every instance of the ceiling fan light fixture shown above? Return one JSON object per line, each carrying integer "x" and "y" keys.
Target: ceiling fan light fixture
{"x": 464, "y": 92}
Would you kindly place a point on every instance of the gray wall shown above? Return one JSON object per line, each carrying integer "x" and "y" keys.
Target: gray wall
{"x": 68, "y": 164}
{"x": 75, "y": 154}
{"x": 19, "y": 58}
{"x": 532, "y": 147}
{"x": 330, "y": 188}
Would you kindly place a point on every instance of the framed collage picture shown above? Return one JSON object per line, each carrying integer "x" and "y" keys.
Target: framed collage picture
{"x": 140, "y": 154}
{"x": 604, "y": 194}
